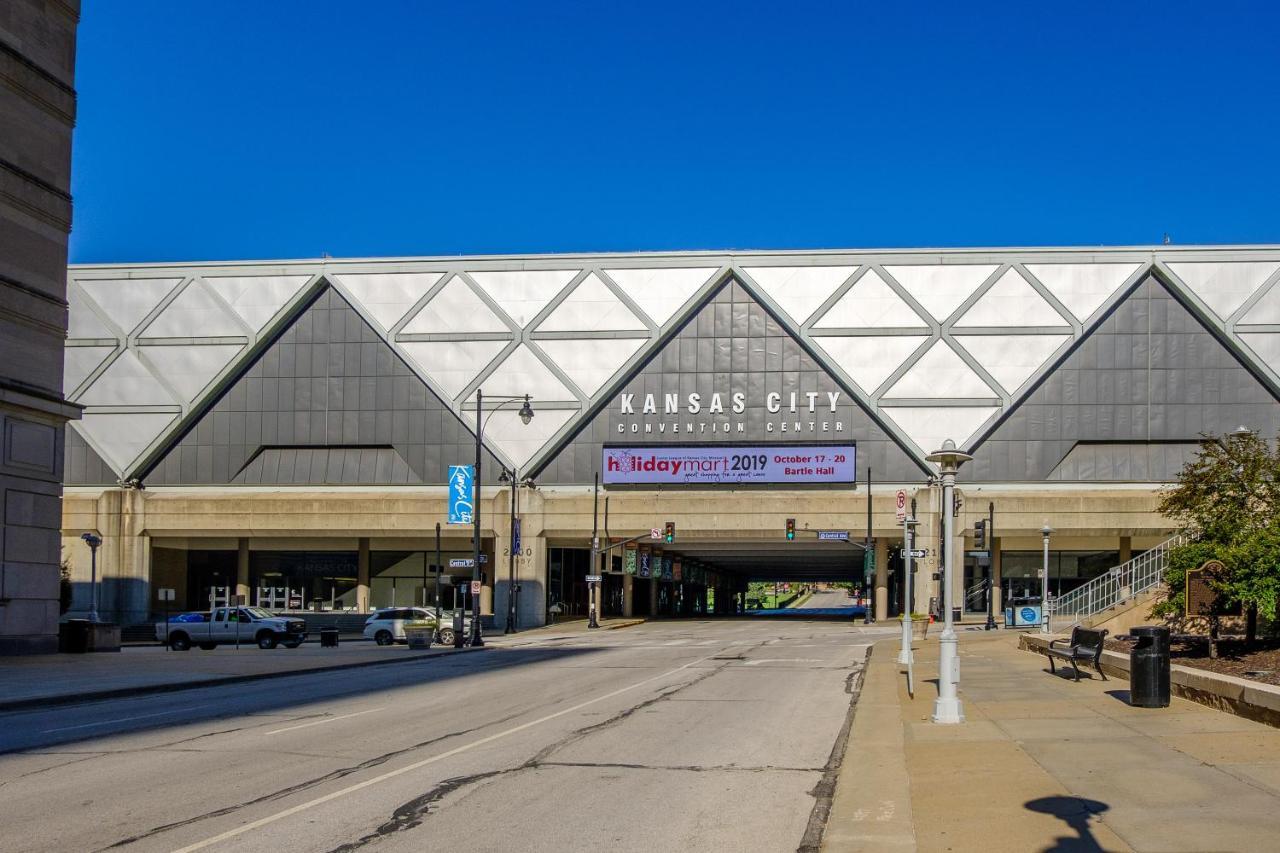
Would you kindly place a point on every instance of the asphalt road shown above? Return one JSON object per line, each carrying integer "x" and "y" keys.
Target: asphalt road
{"x": 821, "y": 603}
{"x": 711, "y": 735}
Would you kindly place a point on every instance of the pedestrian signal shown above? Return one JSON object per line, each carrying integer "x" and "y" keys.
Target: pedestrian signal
{"x": 791, "y": 529}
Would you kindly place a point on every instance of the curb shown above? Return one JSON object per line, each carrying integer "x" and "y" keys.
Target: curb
{"x": 173, "y": 687}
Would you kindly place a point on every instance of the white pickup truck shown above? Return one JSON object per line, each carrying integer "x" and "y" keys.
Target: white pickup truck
{"x": 231, "y": 625}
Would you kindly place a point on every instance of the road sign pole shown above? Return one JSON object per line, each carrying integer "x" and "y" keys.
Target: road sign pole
{"x": 991, "y": 566}
{"x": 593, "y": 589}
{"x": 904, "y": 656}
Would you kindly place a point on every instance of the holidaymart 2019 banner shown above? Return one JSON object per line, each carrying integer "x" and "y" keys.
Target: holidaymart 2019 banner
{"x": 721, "y": 464}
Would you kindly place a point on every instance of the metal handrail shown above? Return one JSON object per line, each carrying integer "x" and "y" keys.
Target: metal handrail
{"x": 974, "y": 592}
{"x": 1122, "y": 583}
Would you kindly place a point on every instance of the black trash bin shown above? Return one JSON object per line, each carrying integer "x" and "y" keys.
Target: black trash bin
{"x": 329, "y": 638}
{"x": 73, "y": 636}
{"x": 459, "y": 635}
{"x": 1149, "y": 668}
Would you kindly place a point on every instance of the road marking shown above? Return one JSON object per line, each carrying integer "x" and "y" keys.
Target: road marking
{"x": 322, "y": 722}
{"x": 301, "y": 807}
{"x": 784, "y": 660}
{"x": 109, "y": 722}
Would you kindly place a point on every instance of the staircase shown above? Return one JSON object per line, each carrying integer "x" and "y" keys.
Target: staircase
{"x": 1124, "y": 583}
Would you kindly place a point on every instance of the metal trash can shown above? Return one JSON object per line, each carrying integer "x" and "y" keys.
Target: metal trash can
{"x": 419, "y": 636}
{"x": 1149, "y": 667}
{"x": 329, "y": 638}
{"x": 73, "y": 636}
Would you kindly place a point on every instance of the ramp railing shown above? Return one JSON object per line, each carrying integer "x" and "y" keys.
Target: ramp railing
{"x": 1120, "y": 584}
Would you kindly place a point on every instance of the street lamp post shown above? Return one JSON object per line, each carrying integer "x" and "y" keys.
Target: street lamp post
{"x": 526, "y": 415}
{"x": 93, "y": 541}
{"x": 947, "y": 708}
{"x": 1044, "y": 582}
{"x": 514, "y": 546}
{"x": 868, "y": 560}
{"x": 908, "y": 535}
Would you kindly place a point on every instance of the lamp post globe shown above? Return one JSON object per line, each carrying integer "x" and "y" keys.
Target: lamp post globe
{"x": 947, "y": 708}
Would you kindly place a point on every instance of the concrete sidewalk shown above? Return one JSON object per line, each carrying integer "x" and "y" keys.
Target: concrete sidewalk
{"x": 1045, "y": 764}
{"x": 37, "y": 680}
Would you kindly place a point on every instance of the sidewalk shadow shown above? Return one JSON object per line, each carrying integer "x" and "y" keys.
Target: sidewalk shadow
{"x": 1120, "y": 696}
{"x": 1075, "y": 813}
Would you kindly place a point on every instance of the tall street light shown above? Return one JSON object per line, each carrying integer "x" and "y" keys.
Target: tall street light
{"x": 947, "y": 708}
{"x": 513, "y": 477}
{"x": 526, "y": 415}
{"x": 93, "y": 541}
{"x": 1044, "y": 581}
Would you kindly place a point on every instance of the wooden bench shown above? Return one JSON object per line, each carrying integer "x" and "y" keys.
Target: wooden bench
{"x": 1085, "y": 645}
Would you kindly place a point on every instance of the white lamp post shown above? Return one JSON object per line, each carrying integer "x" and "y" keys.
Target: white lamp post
{"x": 1044, "y": 582}
{"x": 947, "y": 708}
{"x": 908, "y": 537}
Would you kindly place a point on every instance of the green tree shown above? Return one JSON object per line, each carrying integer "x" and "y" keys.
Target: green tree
{"x": 1227, "y": 500}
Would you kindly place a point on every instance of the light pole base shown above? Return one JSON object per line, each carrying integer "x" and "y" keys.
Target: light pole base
{"x": 904, "y": 656}
{"x": 948, "y": 710}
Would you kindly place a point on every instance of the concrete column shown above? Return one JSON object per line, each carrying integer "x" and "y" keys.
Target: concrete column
{"x": 242, "y": 569}
{"x": 124, "y": 559}
{"x": 532, "y": 571}
{"x": 653, "y": 596}
{"x": 882, "y": 578}
{"x": 628, "y": 595}
{"x": 1126, "y": 549}
{"x": 362, "y": 575}
{"x": 489, "y": 570}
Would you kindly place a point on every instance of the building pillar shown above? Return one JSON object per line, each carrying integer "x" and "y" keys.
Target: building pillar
{"x": 531, "y": 606}
{"x": 628, "y": 596}
{"x": 1126, "y": 549}
{"x": 242, "y": 569}
{"x": 488, "y": 573}
{"x": 882, "y": 578}
{"x": 362, "y": 575}
{"x": 653, "y": 596}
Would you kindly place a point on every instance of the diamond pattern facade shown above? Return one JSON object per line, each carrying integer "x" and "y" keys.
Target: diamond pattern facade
{"x": 935, "y": 344}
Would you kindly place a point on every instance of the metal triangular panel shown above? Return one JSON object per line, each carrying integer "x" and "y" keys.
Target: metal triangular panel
{"x": 929, "y": 426}
{"x": 194, "y": 313}
{"x": 1224, "y": 286}
{"x": 522, "y": 294}
{"x": 799, "y": 290}
{"x": 521, "y": 373}
{"x": 1265, "y": 311}
{"x": 455, "y": 309}
{"x": 126, "y": 382}
{"x": 127, "y": 301}
{"x": 940, "y": 374}
{"x": 452, "y": 365}
{"x": 660, "y": 292}
{"x": 870, "y": 304}
{"x": 1012, "y": 359}
{"x": 82, "y": 321}
{"x": 941, "y": 288}
{"x": 1082, "y": 288}
{"x": 591, "y": 362}
{"x": 1265, "y": 345}
{"x": 189, "y": 368}
{"x": 259, "y": 298}
{"x": 1011, "y": 302}
{"x": 387, "y": 297}
{"x": 591, "y": 307}
{"x": 518, "y": 441}
{"x": 870, "y": 360}
{"x": 121, "y": 437}
{"x": 79, "y": 362}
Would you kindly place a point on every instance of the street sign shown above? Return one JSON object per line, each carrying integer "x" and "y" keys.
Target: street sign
{"x": 918, "y": 553}
{"x": 833, "y": 535}
{"x": 655, "y": 533}
{"x": 902, "y": 505}
{"x": 978, "y": 554}
{"x": 593, "y": 578}
{"x": 515, "y": 537}
{"x": 467, "y": 562}
{"x": 475, "y": 587}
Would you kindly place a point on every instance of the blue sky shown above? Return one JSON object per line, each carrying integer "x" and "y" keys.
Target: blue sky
{"x": 291, "y": 129}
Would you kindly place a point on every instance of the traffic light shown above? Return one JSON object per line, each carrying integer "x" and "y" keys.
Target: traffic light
{"x": 980, "y": 535}
{"x": 671, "y": 532}
{"x": 791, "y": 529}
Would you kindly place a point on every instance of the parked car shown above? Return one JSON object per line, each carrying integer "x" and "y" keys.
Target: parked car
{"x": 231, "y": 625}
{"x": 386, "y": 626}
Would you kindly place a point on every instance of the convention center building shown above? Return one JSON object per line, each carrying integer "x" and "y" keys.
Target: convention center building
{"x": 298, "y": 432}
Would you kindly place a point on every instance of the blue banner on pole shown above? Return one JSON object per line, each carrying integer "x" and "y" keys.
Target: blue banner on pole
{"x": 461, "y": 482}
{"x": 515, "y": 536}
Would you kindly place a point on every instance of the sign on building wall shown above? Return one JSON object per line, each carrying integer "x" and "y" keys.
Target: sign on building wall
{"x": 461, "y": 485}
{"x": 629, "y": 560}
{"x": 714, "y": 465}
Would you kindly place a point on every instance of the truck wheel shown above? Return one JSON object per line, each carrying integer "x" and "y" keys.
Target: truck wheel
{"x": 384, "y": 638}
{"x": 208, "y": 647}
{"x": 446, "y": 637}
{"x": 179, "y": 642}
{"x": 266, "y": 640}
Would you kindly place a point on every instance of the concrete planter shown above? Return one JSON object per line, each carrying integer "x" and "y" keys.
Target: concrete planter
{"x": 919, "y": 627}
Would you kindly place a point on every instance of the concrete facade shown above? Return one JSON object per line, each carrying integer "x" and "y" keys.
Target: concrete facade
{"x": 37, "y": 114}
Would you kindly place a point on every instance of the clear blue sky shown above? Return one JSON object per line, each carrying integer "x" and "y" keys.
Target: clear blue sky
{"x": 287, "y": 129}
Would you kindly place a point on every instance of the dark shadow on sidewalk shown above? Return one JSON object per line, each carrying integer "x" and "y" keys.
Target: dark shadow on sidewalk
{"x": 1075, "y": 813}
{"x": 1120, "y": 696}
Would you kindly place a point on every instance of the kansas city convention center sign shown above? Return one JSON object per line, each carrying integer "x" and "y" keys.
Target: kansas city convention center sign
{"x": 720, "y": 464}
{"x": 803, "y": 412}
